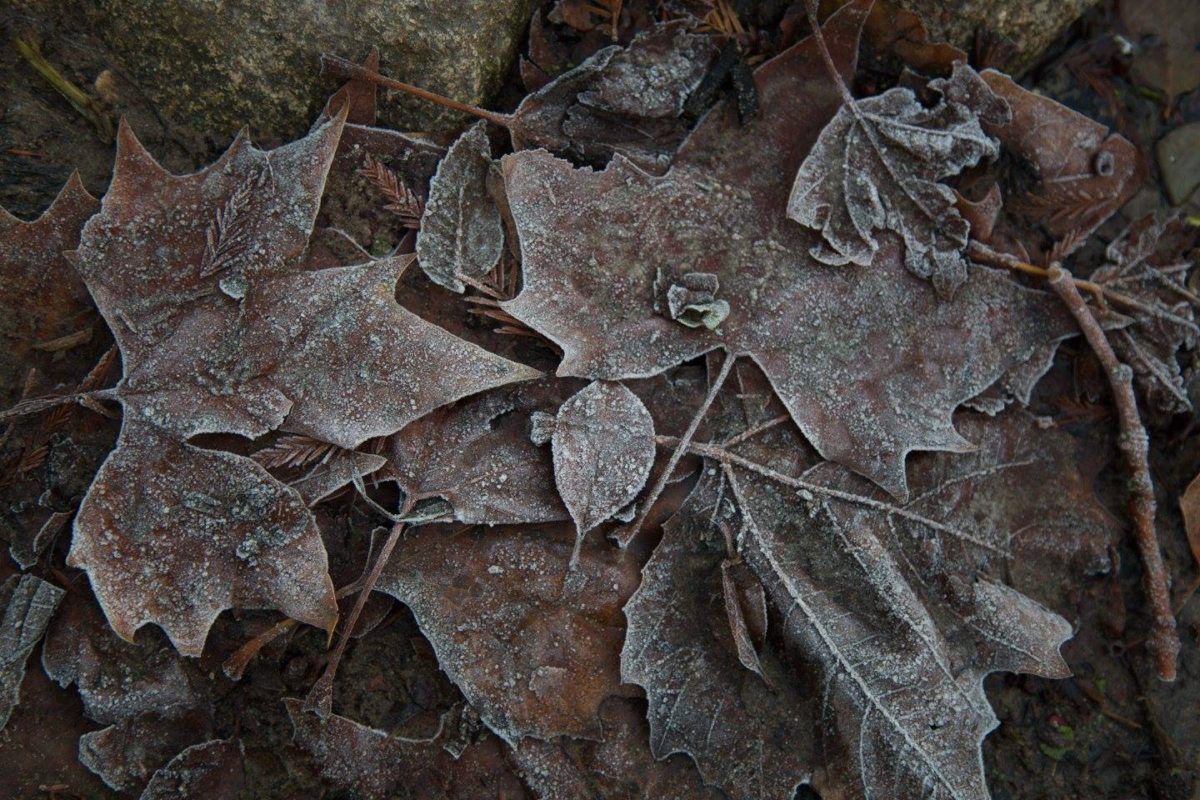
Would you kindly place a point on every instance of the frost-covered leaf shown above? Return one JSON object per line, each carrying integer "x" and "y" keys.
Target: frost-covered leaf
{"x": 174, "y": 534}
{"x": 28, "y": 603}
{"x": 224, "y": 329}
{"x": 461, "y": 232}
{"x": 603, "y": 445}
{"x": 877, "y": 166}
{"x": 477, "y": 455}
{"x": 212, "y": 769}
{"x": 374, "y": 765}
{"x": 1150, "y": 261}
{"x": 885, "y": 618}
{"x": 749, "y": 738}
{"x": 870, "y": 362}
{"x": 153, "y": 702}
{"x": 532, "y": 645}
{"x": 42, "y": 297}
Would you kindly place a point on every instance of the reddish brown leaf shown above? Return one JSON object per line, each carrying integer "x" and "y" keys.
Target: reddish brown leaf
{"x": 1084, "y": 172}
{"x": 1189, "y": 505}
{"x": 870, "y": 363}
{"x": 42, "y": 297}
{"x": 532, "y": 645}
{"x": 477, "y": 455}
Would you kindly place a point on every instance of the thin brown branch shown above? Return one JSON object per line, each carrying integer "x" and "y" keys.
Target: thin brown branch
{"x": 347, "y": 70}
{"x": 625, "y": 536}
{"x": 1134, "y": 443}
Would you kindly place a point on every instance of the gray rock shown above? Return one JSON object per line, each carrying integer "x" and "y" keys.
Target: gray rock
{"x": 216, "y": 65}
{"x": 1027, "y": 25}
{"x": 1179, "y": 162}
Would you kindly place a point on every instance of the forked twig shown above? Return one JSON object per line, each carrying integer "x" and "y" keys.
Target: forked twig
{"x": 1134, "y": 444}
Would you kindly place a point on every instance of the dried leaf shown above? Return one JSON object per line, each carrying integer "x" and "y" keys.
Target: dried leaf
{"x": 603, "y": 445}
{"x": 461, "y": 232}
{"x": 1150, "y": 261}
{"x": 29, "y": 603}
{"x": 870, "y": 363}
{"x": 222, "y": 331}
{"x": 531, "y": 645}
{"x": 889, "y": 616}
{"x": 477, "y": 455}
{"x": 1165, "y": 34}
{"x": 173, "y": 534}
{"x": 212, "y": 769}
{"x": 42, "y": 297}
{"x": 153, "y": 702}
{"x": 876, "y": 166}
{"x": 375, "y": 766}
{"x": 1084, "y": 173}
{"x": 619, "y": 765}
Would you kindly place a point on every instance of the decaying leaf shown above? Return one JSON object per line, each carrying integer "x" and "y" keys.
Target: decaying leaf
{"x": 478, "y": 456}
{"x": 619, "y": 765}
{"x": 877, "y": 164}
{"x": 376, "y": 766}
{"x": 1083, "y": 172}
{"x": 212, "y": 769}
{"x": 174, "y": 534}
{"x": 1189, "y": 505}
{"x": 870, "y": 362}
{"x": 603, "y": 445}
{"x": 153, "y": 702}
{"x": 532, "y": 645}
{"x": 42, "y": 297}
{"x": 461, "y": 232}
{"x": 1165, "y": 34}
{"x": 222, "y": 331}
{"x": 28, "y": 603}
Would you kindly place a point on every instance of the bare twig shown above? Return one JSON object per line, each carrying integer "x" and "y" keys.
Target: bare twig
{"x": 1163, "y": 640}
{"x": 625, "y": 536}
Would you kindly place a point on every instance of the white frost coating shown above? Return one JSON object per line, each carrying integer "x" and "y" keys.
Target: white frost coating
{"x": 603, "y": 446}
{"x": 877, "y": 165}
{"x": 461, "y": 232}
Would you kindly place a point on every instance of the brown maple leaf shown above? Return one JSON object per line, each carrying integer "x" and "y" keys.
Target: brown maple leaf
{"x": 870, "y": 362}
{"x": 223, "y": 329}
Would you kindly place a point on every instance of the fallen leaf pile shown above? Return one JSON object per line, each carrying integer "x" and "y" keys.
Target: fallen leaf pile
{"x": 699, "y": 430}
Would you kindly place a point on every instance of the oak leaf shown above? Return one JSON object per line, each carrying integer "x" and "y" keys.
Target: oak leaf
{"x": 43, "y": 298}
{"x": 870, "y": 362}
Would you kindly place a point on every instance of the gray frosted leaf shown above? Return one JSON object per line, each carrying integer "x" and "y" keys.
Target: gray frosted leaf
{"x": 603, "y": 448}
{"x": 212, "y": 769}
{"x": 877, "y": 165}
{"x": 28, "y": 603}
{"x": 461, "y": 232}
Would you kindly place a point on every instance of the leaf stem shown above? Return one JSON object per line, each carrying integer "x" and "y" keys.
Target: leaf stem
{"x": 320, "y": 697}
{"x": 346, "y": 69}
{"x": 625, "y": 536}
{"x": 1134, "y": 444}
